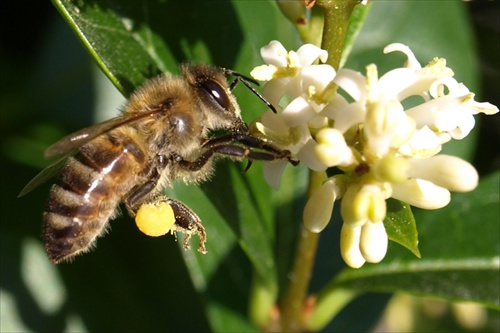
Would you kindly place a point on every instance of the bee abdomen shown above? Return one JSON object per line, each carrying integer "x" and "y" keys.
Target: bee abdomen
{"x": 79, "y": 207}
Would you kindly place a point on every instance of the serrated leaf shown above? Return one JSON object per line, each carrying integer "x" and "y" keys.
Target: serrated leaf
{"x": 401, "y": 226}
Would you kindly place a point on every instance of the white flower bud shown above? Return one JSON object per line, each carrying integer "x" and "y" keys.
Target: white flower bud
{"x": 347, "y": 207}
{"x": 421, "y": 193}
{"x": 349, "y": 246}
{"x": 319, "y": 207}
{"x": 363, "y": 204}
{"x": 373, "y": 241}
{"x": 446, "y": 171}
{"x": 332, "y": 149}
{"x": 392, "y": 169}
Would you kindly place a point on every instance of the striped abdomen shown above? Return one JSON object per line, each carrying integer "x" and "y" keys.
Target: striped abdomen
{"x": 92, "y": 184}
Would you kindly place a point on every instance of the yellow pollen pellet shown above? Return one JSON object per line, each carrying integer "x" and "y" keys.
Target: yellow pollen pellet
{"x": 155, "y": 219}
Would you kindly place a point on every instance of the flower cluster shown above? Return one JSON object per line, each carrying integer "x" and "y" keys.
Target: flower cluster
{"x": 383, "y": 133}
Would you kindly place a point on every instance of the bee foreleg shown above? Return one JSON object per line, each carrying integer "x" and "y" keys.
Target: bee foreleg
{"x": 245, "y": 152}
{"x": 231, "y": 150}
{"x": 250, "y": 142}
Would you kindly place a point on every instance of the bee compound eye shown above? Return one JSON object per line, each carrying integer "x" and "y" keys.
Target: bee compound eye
{"x": 217, "y": 92}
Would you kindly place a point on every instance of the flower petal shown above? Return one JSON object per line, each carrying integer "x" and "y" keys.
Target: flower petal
{"x": 346, "y": 117}
{"x": 298, "y": 112}
{"x": 412, "y": 61}
{"x": 308, "y": 158}
{"x": 308, "y": 53}
{"x": 273, "y": 172}
{"x": 352, "y": 82}
{"x": 273, "y": 91}
{"x": 275, "y": 54}
{"x": 318, "y": 76}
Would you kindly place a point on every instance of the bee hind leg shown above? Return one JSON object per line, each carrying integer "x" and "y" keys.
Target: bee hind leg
{"x": 186, "y": 221}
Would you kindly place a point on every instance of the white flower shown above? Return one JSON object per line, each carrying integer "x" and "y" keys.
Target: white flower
{"x": 450, "y": 113}
{"x": 289, "y": 73}
{"x": 292, "y": 75}
{"x": 359, "y": 125}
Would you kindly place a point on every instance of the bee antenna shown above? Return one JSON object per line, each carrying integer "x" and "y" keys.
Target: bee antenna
{"x": 246, "y": 81}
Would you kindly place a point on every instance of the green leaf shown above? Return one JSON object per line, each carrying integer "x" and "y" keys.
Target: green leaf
{"x": 232, "y": 215}
{"x": 401, "y": 226}
{"x": 121, "y": 39}
{"x": 356, "y": 23}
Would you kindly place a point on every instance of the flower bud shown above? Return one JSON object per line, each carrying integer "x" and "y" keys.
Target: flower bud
{"x": 349, "y": 246}
{"x": 332, "y": 149}
{"x": 366, "y": 204}
{"x": 392, "y": 169}
{"x": 319, "y": 207}
{"x": 421, "y": 193}
{"x": 373, "y": 242}
{"x": 445, "y": 171}
{"x": 294, "y": 10}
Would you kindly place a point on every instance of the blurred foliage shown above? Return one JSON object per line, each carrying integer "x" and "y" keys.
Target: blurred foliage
{"x": 50, "y": 86}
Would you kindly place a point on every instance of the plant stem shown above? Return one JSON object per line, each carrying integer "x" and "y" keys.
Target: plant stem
{"x": 337, "y": 14}
{"x": 336, "y": 22}
{"x": 292, "y": 319}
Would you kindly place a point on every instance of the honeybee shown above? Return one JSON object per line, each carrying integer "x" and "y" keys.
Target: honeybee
{"x": 166, "y": 133}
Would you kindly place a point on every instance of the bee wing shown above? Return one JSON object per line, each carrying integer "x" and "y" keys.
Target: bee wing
{"x": 79, "y": 138}
{"x": 70, "y": 143}
{"x": 44, "y": 175}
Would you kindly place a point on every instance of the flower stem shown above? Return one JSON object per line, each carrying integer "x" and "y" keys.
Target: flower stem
{"x": 337, "y": 14}
{"x": 292, "y": 316}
